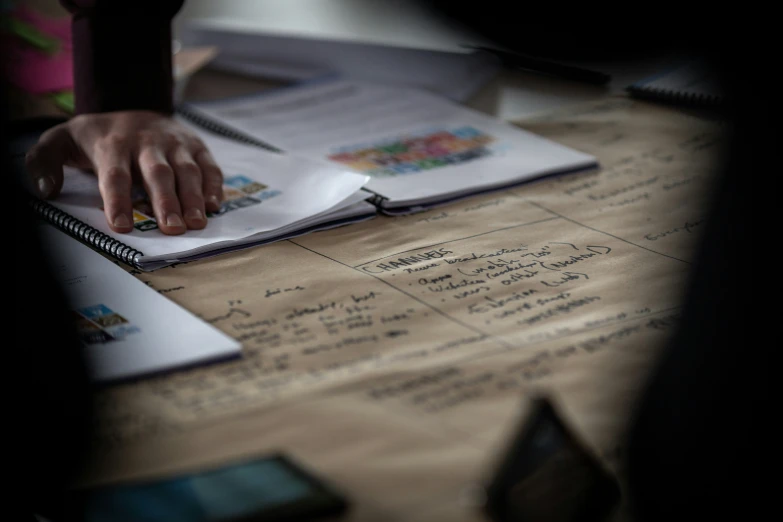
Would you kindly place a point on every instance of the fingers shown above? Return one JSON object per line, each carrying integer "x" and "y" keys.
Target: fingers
{"x": 160, "y": 184}
{"x": 45, "y": 160}
{"x": 188, "y": 179}
{"x": 112, "y": 164}
{"x": 181, "y": 177}
{"x": 211, "y": 180}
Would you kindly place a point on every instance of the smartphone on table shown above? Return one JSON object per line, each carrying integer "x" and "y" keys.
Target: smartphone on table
{"x": 268, "y": 489}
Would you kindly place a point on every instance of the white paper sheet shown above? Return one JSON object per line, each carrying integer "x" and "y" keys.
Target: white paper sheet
{"x": 127, "y": 328}
{"x": 391, "y": 51}
{"x": 419, "y": 149}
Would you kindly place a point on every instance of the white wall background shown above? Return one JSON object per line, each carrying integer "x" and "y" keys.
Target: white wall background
{"x": 395, "y": 22}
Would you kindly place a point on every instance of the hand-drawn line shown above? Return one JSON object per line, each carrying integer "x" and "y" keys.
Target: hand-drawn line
{"x": 452, "y": 240}
{"x": 605, "y": 233}
{"x": 420, "y": 301}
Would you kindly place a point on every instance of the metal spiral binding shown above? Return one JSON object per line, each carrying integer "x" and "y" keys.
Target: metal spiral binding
{"x": 84, "y": 232}
{"x": 686, "y": 98}
{"x": 377, "y": 200}
{"x": 208, "y": 124}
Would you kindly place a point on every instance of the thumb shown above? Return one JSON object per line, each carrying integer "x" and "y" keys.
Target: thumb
{"x": 46, "y": 158}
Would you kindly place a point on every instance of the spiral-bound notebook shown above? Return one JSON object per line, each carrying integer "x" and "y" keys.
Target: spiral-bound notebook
{"x": 688, "y": 84}
{"x": 267, "y": 197}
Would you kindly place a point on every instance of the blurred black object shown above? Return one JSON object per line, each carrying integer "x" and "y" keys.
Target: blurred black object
{"x": 581, "y": 31}
{"x": 51, "y": 391}
{"x": 513, "y": 60}
{"x": 548, "y": 474}
{"x": 697, "y": 438}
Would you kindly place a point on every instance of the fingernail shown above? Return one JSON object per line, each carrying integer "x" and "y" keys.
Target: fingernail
{"x": 194, "y": 214}
{"x": 122, "y": 221}
{"x": 45, "y": 186}
{"x": 213, "y": 200}
{"x": 174, "y": 221}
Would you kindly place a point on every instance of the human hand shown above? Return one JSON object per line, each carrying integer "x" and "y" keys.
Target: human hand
{"x": 175, "y": 167}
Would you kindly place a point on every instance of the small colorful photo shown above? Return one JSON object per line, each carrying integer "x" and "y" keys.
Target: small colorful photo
{"x": 109, "y": 320}
{"x": 230, "y": 194}
{"x": 138, "y": 217}
{"x": 253, "y": 187}
{"x": 237, "y": 181}
{"x": 121, "y": 331}
{"x": 91, "y": 312}
{"x": 235, "y": 204}
{"x": 145, "y": 226}
{"x": 82, "y": 323}
{"x": 413, "y": 153}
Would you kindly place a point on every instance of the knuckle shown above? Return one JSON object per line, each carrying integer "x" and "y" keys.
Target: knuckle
{"x": 187, "y": 168}
{"x": 213, "y": 187}
{"x": 196, "y": 146}
{"x": 149, "y": 138}
{"x": 115, "y": 175}
{"x": 160, "y": 172}
{"x": 51, "y": 133}
{"x": 167, "y": 203}
{"x": 80, "y": 120}
{"x": 33, "y": 156}
{"x": 171, "y": 140}
{"x": 115, "y": 142}
{"x": 191, "y": 194}
{"x": 214, "y": 176}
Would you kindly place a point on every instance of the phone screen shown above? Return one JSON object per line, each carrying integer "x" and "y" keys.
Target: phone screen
{"x": 268, "y": 489}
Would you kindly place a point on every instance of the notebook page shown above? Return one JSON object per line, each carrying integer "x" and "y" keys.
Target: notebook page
{"x": 128, "y": 328}
{"x": 415, "y": 146}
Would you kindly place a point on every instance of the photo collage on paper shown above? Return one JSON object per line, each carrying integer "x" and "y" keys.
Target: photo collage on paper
{"x": 100, "y": 324}
{"x": 416, "y": 153}
{"x": 238, "y": 192}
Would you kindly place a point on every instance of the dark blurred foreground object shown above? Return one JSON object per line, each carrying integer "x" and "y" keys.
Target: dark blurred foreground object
{"x": 699, "y": 436}
{"x": 514, "y": 60}
{"x": 267, "y": 488}
{"x": 547, "y": 474}
{"x": 51, "y": 392}
{"x": 578, "y": 31}
{"x": 122, "y": 54}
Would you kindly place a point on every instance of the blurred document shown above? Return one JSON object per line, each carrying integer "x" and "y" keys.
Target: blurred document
{"x": 362, "y": 45}
{"x": 127, "y": 328}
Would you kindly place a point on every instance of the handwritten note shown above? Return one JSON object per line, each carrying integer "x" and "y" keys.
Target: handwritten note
{"x": 394, "y": 355}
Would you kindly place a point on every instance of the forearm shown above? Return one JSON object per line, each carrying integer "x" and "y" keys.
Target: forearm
{"x": 122, "y": 55}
